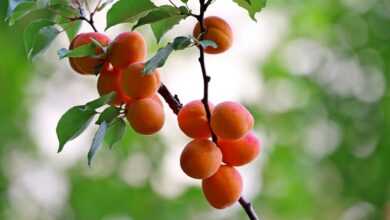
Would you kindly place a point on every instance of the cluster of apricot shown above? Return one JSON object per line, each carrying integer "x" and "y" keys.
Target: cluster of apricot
{"x": 231, "y": 122}
{"x": 121, "y": 71}
{"x": 214, "y": 163}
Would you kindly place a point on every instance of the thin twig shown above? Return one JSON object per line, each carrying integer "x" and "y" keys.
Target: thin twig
{"x": 206, "y": 78}
{"x": 173, "y": 4}
{"x": 247, "y": 206}
{"x": 172, "y": 100}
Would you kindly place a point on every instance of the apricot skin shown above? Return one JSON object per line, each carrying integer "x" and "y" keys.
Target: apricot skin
{"x": 146, "y": 116}
{"x": 87, "y": 65}
{"x": 109, "y": 81}
{"x": 217, "y": 30}
{"x": 200, "y": 159}
{"x": 231, "y": 120}
{"x": 224, "y": 188}
{"x": 193, "y": 120}
{"x": 136, "y": 85}
{"x": 127, "y": 48}
{"x": 240, "y": 152}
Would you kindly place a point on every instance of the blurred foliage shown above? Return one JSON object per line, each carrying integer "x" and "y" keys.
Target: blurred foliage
{"x": 297, "y": 184}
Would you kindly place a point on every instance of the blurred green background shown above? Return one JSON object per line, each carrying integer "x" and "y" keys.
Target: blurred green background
{"x": 323, "y": 112}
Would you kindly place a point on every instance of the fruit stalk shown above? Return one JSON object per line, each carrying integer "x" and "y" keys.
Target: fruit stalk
{"x": 247, "y": 206}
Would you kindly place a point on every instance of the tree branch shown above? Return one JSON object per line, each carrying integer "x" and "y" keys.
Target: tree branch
{"x": 172, "y": 100}
{"x": 206, "y": 80}
{"x": 247, "y": 206}
{"x": 82, "y": 17}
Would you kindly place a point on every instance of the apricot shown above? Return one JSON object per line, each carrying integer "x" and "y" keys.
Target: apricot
{"x": 231, "y": 120}
{"x": 88, "y": 65}
{"x": 146, "y": 116}
{"x": 241, "y": 151}
{"x": 200, "y": 159}
{"x": 136, "y": 85}
{"x": 193, "y": 121}
{"x": 109, "y": 81}
{"x": 127, "y": 48}
{"x": 223, "y": 188}
{"x": 217, "y": 30}
{"x": 155, "y": 97}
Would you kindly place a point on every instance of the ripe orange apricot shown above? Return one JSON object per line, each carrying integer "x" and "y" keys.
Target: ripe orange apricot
{"x": 146, "y": 116}
{"x": 193, "y": 120}
{"x": 217, "y": 30}
{"x": 200, "y": 159}
{"x": 127, "y": 48}
{"x": 155, "y": 97}
{"x": 231, "y": 120}
{"x": 109, "y": 81}
{"x": 136, "y": 85}
{"x": 241, "y": 151}
{"x": 87, "y": 65}
{"x": 223, "y": 188}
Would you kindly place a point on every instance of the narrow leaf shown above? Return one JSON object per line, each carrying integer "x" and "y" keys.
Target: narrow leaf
{"x": 252, "y": 6}
{"x": 208, "y": 43}
{"x": 115, "y": 132}
{"x": 82, "y": 51}
{"x": 86, "y": 50}
{"x": 38, "y": 36}
{"x": 161, "y": 27}
{"x": 18, "y": 10}
{"x": 159, "y": 59}
{"x": 158, "y": 14}
{"x": 97, "y": 141}
{"x": 72, "y": 124}
{"x": 124, "y": 11}
{"x": 103, "y": 100}
{"x": 108, "y": 115}
{"x": 181, "y": 43}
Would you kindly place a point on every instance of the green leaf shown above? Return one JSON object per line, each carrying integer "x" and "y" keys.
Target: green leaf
{"x": 38, "y": 36}
{"x": 71, "y": 28}
{"x": 252, "y": 6}
{"x": 108, "y": 115}
{"x": 163, "y": 26}
{"x": 103, "y": 100}
{"x": 97, "y": 141}
{"x": 159, "y": 14}
{"x": 18, "y": 10}
{"x": 208, "y": 43}
{"x": 72, "y": 124}
{"x": 85, "y": 50}
{"x": 104, "y": 4}
{"x": 181, "y": 43}
{"x": 115, "y": 132}
{"x": 159, "y": 59}
{"x": 125, "y": 11}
